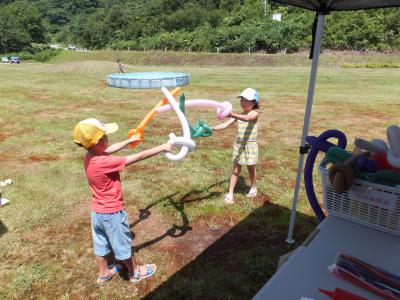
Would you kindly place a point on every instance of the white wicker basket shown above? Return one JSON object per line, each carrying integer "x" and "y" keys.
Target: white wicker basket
{"x": 367, "y": 203}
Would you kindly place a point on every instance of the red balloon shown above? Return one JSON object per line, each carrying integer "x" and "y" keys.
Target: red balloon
{"x": 381, "y": 160}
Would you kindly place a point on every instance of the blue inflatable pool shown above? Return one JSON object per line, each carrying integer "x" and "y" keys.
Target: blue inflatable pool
{"x": 147, "y": 80}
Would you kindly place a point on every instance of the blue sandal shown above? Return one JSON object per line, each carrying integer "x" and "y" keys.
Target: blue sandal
{"x": 137, "y": 276}
{"x": 101, "y": 280}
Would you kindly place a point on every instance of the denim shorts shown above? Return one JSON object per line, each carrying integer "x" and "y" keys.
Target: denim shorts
{"x": 111, "y": 232}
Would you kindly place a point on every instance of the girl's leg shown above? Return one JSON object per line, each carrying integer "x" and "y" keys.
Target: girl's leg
{"x": 252, "y": 174}
{"x": 253, "y": 180}
{"x": 235, "y": 174}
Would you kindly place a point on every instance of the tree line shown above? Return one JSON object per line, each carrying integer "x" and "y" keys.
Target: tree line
{"x": 189, "y": 25}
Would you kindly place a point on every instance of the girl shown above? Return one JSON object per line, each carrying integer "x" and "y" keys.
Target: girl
{"x": 245, "y": 149}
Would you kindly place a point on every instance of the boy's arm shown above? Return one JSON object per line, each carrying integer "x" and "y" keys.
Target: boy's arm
{"x": 148, "y": 153}
{"x": 121, "y": 145}
{"x": 252, "y": 116}
{"x": 224, "y": 125}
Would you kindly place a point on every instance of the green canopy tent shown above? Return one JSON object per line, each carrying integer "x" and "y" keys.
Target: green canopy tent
{"x": 322, "y": 8}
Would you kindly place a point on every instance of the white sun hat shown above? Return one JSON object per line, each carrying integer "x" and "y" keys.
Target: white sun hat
{"x": 250, "y": 94}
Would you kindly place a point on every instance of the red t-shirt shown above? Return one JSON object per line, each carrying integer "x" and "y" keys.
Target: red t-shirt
{"x": 102, "y": 172}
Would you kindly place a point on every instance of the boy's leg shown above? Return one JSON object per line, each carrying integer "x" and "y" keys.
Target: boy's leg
{"x": 102, "y": 263}
{"x": 133, "y": 267}
{"x": 121, "y": 243}
{"x": 234, "y": 177}
{"x": 129, "y": 264}
{"x": 100, "y": 244}
{"x": 105, "y": 273}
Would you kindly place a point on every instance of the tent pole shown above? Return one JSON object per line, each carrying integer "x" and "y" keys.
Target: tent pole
{"x": 306, "y": 124}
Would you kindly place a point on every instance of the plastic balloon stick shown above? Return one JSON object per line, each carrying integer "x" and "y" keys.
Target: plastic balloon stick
{"x": 340, "y": 294}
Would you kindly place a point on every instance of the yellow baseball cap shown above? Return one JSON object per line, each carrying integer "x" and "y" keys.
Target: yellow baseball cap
{"x": 88, "y": 132}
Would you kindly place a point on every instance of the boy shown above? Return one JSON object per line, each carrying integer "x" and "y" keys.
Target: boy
{"x": 110, "y": 226}
{"x": 120, "y": 66}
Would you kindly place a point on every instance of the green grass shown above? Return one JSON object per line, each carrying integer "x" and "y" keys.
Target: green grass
{"x": 147, "y": 58}
{"x": 45, "y": 236}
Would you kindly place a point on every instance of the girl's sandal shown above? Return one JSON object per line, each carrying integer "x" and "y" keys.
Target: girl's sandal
{"x": 102, "y": 280}
{"x": 138, "y": 276}
{"x": 229, "y": 199}
{"x": 252, "y": 193}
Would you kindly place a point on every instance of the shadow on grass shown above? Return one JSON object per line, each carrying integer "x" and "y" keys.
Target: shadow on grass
{"x": 241, "y": 186}
{"x": 239, "y": 263}
{"x": 3, "y": 228}
{"x": 175, "y": 231}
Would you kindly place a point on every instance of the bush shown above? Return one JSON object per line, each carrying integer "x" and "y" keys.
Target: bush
{"x": 371, "y": 66}
{"x": 46, "y": 55}
{"x": 25, "y": 55}
{"x": 123, "y": 45}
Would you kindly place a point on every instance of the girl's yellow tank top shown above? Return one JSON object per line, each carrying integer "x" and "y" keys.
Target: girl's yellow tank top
{"x": 247, "y": 131}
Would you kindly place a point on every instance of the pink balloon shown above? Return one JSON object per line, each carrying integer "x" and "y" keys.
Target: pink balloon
{"x": 223, "y": 109}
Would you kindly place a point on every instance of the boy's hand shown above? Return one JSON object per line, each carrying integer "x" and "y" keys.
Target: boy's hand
{"x": 168, "y": 147}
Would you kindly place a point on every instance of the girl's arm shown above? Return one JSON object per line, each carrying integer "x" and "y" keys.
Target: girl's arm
{"x": 167, "y": 147}
{"x": 121, "y": 145}
{"x": 251, "y": 116}
{"x": 224, "y": 125}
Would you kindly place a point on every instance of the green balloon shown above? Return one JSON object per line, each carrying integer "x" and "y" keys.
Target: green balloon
{"x": 200, "y": 130}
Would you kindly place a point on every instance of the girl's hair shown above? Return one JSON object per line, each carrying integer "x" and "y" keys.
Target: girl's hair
{"x": 255, "y": 105}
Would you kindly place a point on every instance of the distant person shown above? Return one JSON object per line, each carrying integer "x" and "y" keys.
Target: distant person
{"x": 110, "y": 226}
{"x": 245, "y": 148}
{"x": 120, "y": 66}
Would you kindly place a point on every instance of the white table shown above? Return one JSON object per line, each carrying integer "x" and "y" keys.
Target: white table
{"x": 306, "y": 270}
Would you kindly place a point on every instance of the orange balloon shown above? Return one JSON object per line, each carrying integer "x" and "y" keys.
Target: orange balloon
{"x": 138, "y": 131}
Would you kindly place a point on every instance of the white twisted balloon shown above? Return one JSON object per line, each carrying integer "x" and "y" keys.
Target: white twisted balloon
{"x": 184, "y": 142}
{"x": 374, "y": 146}
{"x": 393, "y": 137}
{"x": 380, "y": 146}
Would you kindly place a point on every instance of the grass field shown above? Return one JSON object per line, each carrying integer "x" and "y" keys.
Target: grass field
{"x": 203, "y": 248}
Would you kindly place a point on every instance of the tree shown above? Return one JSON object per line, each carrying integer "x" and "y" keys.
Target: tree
{"x": 20, "y": 25}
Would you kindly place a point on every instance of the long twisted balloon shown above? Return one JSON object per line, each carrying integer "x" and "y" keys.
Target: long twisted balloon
{"x": 223, "y": 108}
{"x": 138, "y": 131}
{"x": 319, "y": 143}
{"x": 184, "y": 142}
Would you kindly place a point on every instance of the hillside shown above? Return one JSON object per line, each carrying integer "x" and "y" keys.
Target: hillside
{"x": 189, "y": 25}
